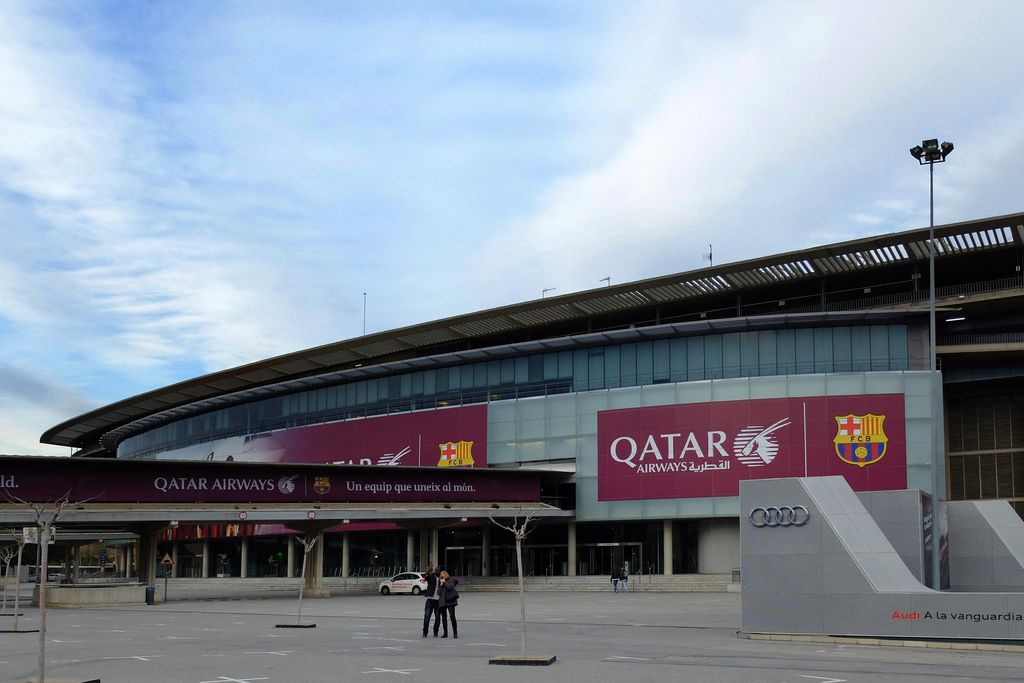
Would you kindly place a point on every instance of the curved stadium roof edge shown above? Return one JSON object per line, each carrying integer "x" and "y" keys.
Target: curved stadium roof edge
{"x": 832, "y": 259}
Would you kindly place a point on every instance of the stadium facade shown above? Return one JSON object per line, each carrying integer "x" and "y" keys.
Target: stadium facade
{"x": 643, "y": 404}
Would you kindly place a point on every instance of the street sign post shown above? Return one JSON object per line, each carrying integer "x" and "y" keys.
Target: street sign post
{"x": 167, "y": 563}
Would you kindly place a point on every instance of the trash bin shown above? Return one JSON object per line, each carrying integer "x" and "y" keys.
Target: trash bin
{"x": 150, "y": 595}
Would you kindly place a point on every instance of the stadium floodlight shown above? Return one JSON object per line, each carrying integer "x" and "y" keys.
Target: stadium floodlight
{"x": 930, "y": 152}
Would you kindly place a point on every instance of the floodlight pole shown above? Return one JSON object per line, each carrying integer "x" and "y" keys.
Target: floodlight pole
{"x": 930, "y": 152}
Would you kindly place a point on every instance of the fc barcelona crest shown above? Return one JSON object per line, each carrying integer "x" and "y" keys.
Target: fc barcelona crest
{"x": 321, "y": 484}
{"x": 456, "y": 454}
{"x": 860, "y": 439}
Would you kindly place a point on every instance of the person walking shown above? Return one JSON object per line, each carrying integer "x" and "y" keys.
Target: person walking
{"x": 430, "y": 606}
{"x": 624, "y": 580}
{"x": 616, "y": 573}
{"x": 449, "y": 599}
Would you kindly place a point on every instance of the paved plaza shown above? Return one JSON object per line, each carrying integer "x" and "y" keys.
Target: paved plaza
{"x": 199, "y": 638}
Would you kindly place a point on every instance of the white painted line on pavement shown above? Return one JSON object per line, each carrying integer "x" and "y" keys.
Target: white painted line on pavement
{"x": 491, "y": 644}
{"x": 279, "y": 653}
{"x": 640, "y": 659}
{"x": 404, "y": 672}
{"x": 227, "y": 679}
{"x": 384, "y": 647}
{"x": 141, "y": 658}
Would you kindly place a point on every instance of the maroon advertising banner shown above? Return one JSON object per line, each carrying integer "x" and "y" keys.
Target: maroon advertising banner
{"x": 447, "y": 437}
{"x": 42, "y": 479}
{"x": 701, "y": 450}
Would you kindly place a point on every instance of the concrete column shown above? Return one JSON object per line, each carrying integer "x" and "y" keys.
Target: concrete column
{"x": 425, "y": 549}
{"x": 76, "y": 562}
{"x": 206, "y": 558}
{"x": 572, "y": 548}
{"x": 291, "y": 557}
{"x": 346, "y": 555}
{"x": 314, "y": 583}
{"x": 435, "y": 553}
{"x": 410, "y": 551}
{"x": 485, "y": 550}
{"x": 245, "y": 557}
{"x": 174, "y": 559}
{"x": 666, "y": 546}
{"x": 147, "y": 557}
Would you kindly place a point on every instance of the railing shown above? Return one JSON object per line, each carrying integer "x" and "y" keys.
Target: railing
{"x": 982, "y": 338}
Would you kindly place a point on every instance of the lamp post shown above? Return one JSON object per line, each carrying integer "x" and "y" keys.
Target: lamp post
{"x": 930, "y": 152}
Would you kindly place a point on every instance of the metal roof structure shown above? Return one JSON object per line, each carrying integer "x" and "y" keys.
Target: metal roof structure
{"x": 356, "y": 357}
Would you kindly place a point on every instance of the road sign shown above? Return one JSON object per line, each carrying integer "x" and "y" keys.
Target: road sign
{"x": 31, "y": 535}
{"x": 166, "y": 560}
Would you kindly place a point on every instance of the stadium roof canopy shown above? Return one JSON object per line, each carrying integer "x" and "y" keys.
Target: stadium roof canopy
{"x": 466, "y": 335}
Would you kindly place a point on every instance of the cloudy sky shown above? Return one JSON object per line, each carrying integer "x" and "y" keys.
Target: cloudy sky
{"x": 189, "y": 186}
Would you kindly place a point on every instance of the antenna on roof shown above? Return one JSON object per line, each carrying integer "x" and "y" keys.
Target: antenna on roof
{"x": 709, "y": 256}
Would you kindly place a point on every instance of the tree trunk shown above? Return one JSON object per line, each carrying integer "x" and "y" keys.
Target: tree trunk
{"x": 44, "y": 551}
{"x": 7, "y": 578}
{"x": 302, "y": 583}
{"x": 522, "y": 591}
{"x": 17, "y": 587}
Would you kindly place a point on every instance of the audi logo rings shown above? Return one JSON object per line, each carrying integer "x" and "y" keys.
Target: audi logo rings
{"x": 796, "y": 515}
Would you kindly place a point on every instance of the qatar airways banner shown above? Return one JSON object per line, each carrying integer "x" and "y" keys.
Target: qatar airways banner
{"x": 701, "y": 450}
{"x": 448, "y": 437}
{"x": 42, "y": 479}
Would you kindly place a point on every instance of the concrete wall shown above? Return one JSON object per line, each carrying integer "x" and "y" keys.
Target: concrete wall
{"x": 899, "y": 516}
{"x": 986, "y": 549}
{"x": 839, "y": 575}
{"x": 718, "y": 546}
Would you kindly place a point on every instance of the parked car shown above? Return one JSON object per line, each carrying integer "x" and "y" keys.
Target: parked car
{"x": 406, "y": 582}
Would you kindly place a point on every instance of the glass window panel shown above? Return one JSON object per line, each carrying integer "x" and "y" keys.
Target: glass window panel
{"x": 694, "y": 359}
{"x": 661, "y": 360}
{"x": 842, "y": 353}
{"x": 466, "y": 379}
{"x": 860, "y": 341}
{"x": 429, "y": 382}
{"x": 406, "y": 386}
{"x": 581, "y": 364}
{"x": 394, "y": 388}
{"x": 596, "y": 368}
{"x": 785, "y": 351}
{"x": 361, "y": 393}
{"x": 627, "y": 363}
{"x": 898, "y": 347}
{"x": 494, "y": 372}
{"x": 730, "y": 354}
{"x": 372, "y": 391}
{"x": 536, "y": 368}
{"x": 1018, "y": 475}
{"x": 713, "y": 356}
{"x": 804, "y": 350}
{"x": 823, "y": 349}
{"x": 748, "y": 354}
{"x": 644, "y": 363}
{"x": 879, "y": 347}
{"x": 417, "y": 383}
{"x": 550, "y": 366}
{"x": 565, "y": 364}
{"x": 1004, "y": 475}
{"x": 767, "y": 364}
{"x": 677, "y": 359}
{"x": 612, "y": 362}
{"x": 972, "y": 481}
{"x": 522, "y": 371}
{"x": 480, "y": 375}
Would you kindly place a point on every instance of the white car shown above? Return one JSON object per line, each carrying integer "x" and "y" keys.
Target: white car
{"x": 406, "y": 582}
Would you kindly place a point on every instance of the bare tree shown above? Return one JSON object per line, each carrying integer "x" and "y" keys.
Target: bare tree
{"x": 519, "y": 530}
{"x": 47, "y": 514}
{"x": 307, "y": 546}
{"x": 7, "y": 553}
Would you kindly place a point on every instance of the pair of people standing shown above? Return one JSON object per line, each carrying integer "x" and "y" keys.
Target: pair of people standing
{"x": 442, "y": 599}
{"x": 620, "y": 576}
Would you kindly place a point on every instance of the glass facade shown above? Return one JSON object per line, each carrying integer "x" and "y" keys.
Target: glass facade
{"x": 682, "y": 359}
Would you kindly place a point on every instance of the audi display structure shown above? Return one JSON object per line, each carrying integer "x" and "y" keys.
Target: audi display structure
{"x": 643, "y": 405}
